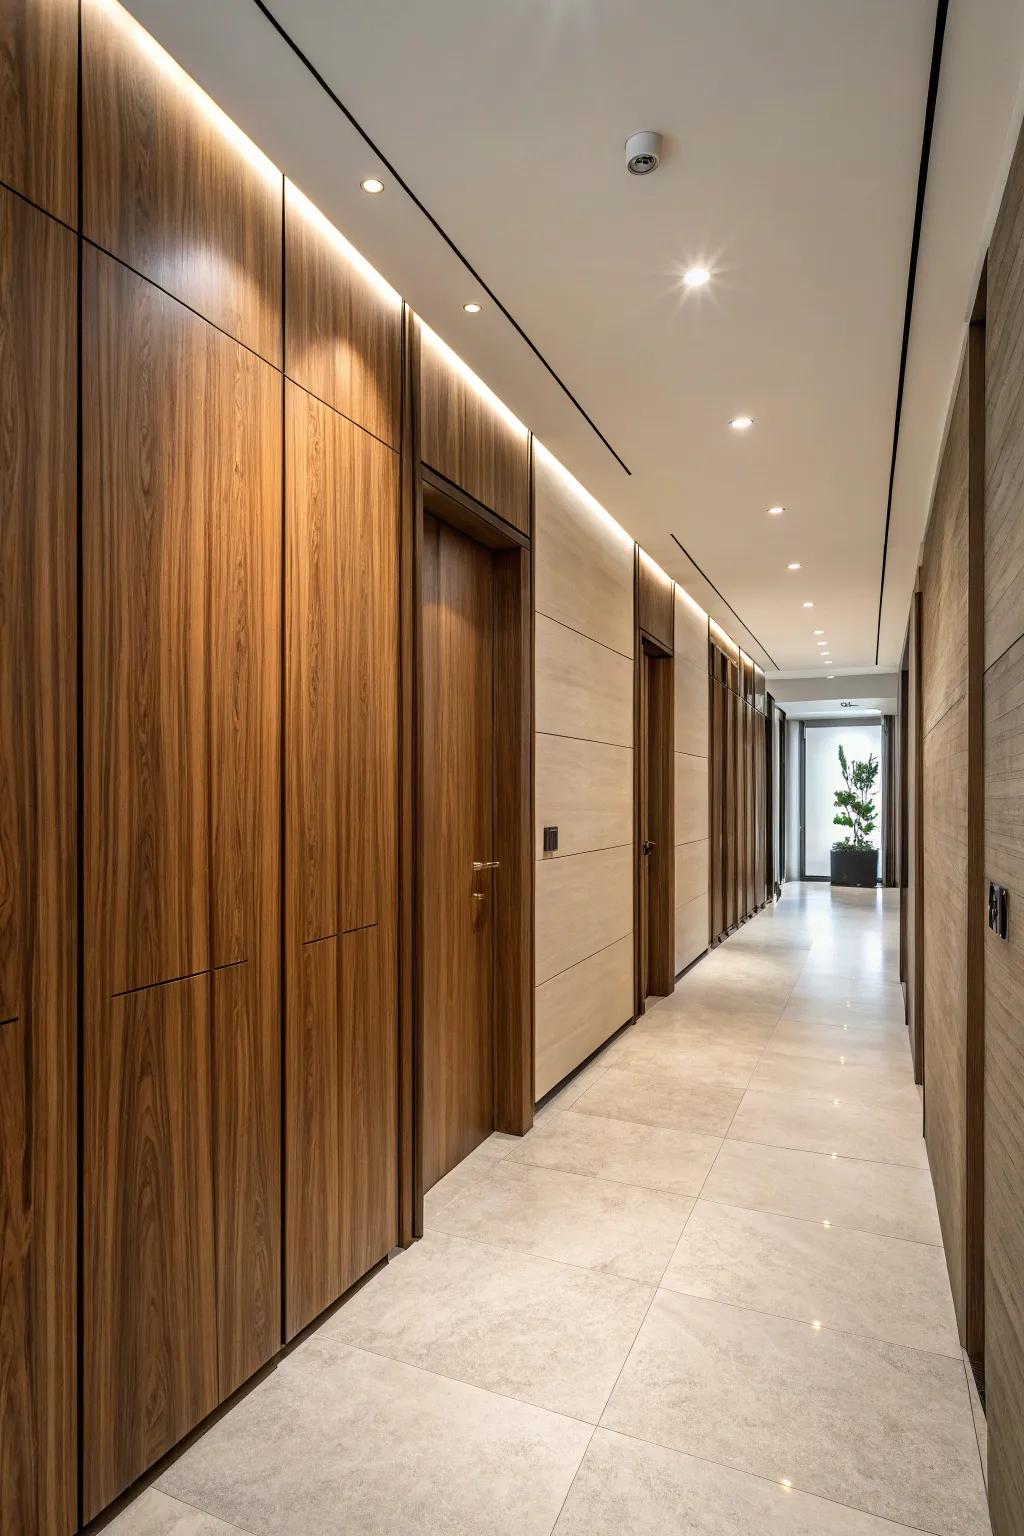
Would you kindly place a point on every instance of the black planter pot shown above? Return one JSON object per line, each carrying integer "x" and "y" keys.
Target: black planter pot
{"x": 854, "y": 866}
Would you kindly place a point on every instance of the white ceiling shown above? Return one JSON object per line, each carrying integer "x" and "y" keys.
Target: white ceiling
{"x": 793, "y": 136}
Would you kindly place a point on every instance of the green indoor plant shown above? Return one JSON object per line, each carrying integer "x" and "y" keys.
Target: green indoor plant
{"x": 855, "y": 857}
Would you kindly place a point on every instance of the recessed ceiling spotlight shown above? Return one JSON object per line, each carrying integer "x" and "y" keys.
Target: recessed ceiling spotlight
{"x": 372, "y": 185}
{"x": 742, "y": 423}
{"x": 471, "y": 309}
{"x": 794, "y": 565}
{"x": 696, "y": 277}
{"x": 776, "y": 511}
{"x": 808, "y": 605}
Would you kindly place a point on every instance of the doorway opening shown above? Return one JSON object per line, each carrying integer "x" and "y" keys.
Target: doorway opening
{"x": 474, "y": 1025}
{"x": 821, "y": 778}
{"x": 655, "y": 814}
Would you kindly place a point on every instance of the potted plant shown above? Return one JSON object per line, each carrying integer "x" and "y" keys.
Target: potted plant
{"x": 855, "y": 857}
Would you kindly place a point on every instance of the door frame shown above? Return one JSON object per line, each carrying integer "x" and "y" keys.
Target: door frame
{"x": 424, "y": 490}
{"x": 826, "y": 722}
{"x": 655, "y": 920}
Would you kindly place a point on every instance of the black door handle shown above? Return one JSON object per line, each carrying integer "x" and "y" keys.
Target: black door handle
{"x": 648, "y": 847}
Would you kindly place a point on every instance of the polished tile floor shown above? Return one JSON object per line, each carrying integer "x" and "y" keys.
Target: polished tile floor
{"x": 705, "y": 1295}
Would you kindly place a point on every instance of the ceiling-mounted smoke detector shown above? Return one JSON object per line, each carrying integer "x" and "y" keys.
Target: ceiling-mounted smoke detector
{"x": 643, "y": 153}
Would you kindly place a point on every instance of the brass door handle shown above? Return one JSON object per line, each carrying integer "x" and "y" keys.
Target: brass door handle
{"x": 486, "y": 864}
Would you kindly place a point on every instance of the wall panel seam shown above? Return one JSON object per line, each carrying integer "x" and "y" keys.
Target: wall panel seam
{"x": 582, "y": 634}
{"x": 583, "y": 959}
{"x": 328, "y": 406}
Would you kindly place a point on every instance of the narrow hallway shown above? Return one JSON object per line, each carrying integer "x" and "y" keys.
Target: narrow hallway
{"x": 706, "y": 1293}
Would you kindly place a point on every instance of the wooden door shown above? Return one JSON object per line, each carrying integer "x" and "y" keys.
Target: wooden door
{"x": 656, "y": 851}
{"x": 458, "y": 832}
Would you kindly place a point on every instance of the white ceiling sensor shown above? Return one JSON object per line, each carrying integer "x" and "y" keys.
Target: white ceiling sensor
{"x": 643, "y": 152}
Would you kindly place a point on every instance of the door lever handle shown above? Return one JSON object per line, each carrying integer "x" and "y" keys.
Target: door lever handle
{"x": 648, "y": 846}
{"x": 486, "y": 864}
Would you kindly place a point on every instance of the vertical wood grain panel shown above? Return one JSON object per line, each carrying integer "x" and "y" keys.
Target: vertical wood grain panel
{"x": 915, "y": 812}
{"x": 39, "y": 103}
{"x": 172, "y": 188}
{"x": 149, "y": 1320}
{"x": 1004, "y": 421}
{"x": 38, "y": 850}
{"x": 343, "y": 327}
{"x": 655, "y": 600}
{"x": 468, "y": 436}
{"x": 368, "y": 1120}
{"x": 717, "y": 772}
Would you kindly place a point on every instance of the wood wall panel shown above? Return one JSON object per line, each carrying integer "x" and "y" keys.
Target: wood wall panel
{"x": 691, "y": 712}
{"x": 583, "y": 689}
{"x": 691, "y": 633}
{"x": 39, "y": 103}
{"x": 655, "y": 600}
{"x": 716, "y": 828}
{"x": 150, "y": 1309}
{"x": 915, "y": 895}
{"x": 468, "y": 436}
{"x": 581, "y": 1008}
{"x": 944, "y": 575}
{"x": 38, "y": 851}
{"x": 584, "y": 903}
{"x": 691, "y": 870}
{"x": 691, "y": 798}
{"x": 173, "y": 189}
{"x": 1004, "y": 421}
{"x": 583, "y": 574}
{"x": 585, "y": 788}
{"x": 691, "y": 931}
{"x": 341, "y": 713}
{"x": 343, "y": 325}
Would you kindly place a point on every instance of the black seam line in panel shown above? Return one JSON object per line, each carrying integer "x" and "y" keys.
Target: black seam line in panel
{"x": 37, "y": 206}
{"x": 449, "y": 242}
{"x": 172, "y": 981}
{"x": 540, "y": 614}
{"x": 12, "y": 1020}
{"x": 328, "y": 405}
{"x": 915, "y": 242}
{"x": 79, "y": 1350}
{"x": 584, "y": 958}
{"x": 325, "y": 938}
{"x": 725, "y": 600}
{"x": 177, "y": 299}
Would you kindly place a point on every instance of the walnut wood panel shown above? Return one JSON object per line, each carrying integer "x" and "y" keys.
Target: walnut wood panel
{"x": 584, "y": 903}
{"x": 1004, "y": 421}
{"x": 149, "y": 1272}
{"x": 1004, "y": 1093}
{"x": 585, "y": 788}
{"x": 584, "y": 562}
{"x": 343, "y": 326}
{"x": 944, "y": 574}
{"x": 717, "y": 765}
{"x": 581, "y": 1008}
{"x": 691, "y": 707}
{"x": 172, "y": 188}
{"x": 513, "y": 993}
{"x": 657, "y": 790}
{"x": 458, "y": 829}
{"x": 39, "y": 103}
{"x": 341, "y": 604}
{"x": 583, "y": 689}
{"x": 468, "y": 436}
{"x": 915, "y": 813}
{"x": 747, "y": 875}
{"x": 37, "y": 872}
{"x": 945, "y": 989}
{"x": 691, "y": 931}
{"x": 655, "y": 600}
{"x": 691, "y": 797}
{"x": 732, "y": 819}
{"x": 760, "y": 808}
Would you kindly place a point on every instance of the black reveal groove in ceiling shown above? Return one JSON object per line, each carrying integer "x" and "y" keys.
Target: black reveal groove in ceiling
{"x": 726, "y": 601}
{"x": 922, "y": 181}
{"x": 538, "y": 354}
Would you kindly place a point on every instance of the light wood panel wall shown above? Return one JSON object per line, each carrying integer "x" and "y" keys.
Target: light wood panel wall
{"x": 583, "y": 564}
{"x": 692, "y": 763}
{"x": 1004, "y": 855}
{"x": 38, "y": 836}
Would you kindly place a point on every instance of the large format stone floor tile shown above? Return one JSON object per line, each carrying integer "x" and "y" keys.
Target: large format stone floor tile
{"x": 888, "y": 1086}
{"x": 703, "y": 1027}
{"x": 624, "y": 1486}
{"x": 547, "y": 1333}
{"x": 831, "y": 1125}
{"x": 848, "y": 1192}
{"x": 675, "y": 1055}
{"x": 828, "y": 1006}
{"x": 623, "y": 1150}
{"x": 872, "y": 1425}
{"x": 338, "y": 1441}
{"x": 676, "y": 1102}
{"x": 881, "y": 1287}
{"x": 467, "y": 1173}
{"x": 870, "y": 1045}
{"x": 156, "y": 1514}
{"x": 579, "y": 1220}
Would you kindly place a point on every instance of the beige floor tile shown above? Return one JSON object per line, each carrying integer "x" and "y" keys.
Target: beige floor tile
{"x": 867, "y": 1424}
{"x": 591, "y": 1222}
{"x": 848, "y": 1192}
{"x": 623, "y": 1150}
{"x": 467, "y": 1173}
{"x": 887, "y": 1085}
{"x": 831, "y": 1125}
{"x": 573, "y": 1089}
{"x": 624, "y": 1486}
{"x": 881, "y": 1046}
{"x": 676, "y": 1102}
{"x": 156, "y": 1514}
{"x": 547, "y": 1333}
{"x": 702, "y": 1026}
{"x": 338, "y": 1441}
{"x": 882, "y": 1287}
{"x": 828, "y": 1008}
{"x": 673, "y": 1055}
